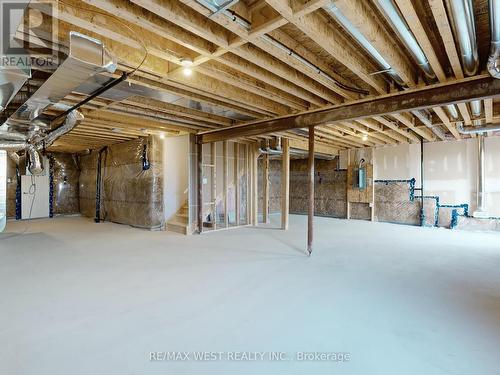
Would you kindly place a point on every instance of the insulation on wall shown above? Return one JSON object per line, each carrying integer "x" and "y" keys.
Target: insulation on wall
{"x": 274, "y": 185}
{"x": 394, "y": 203}
{"x": 66, "y": 173}
{"x": 330, "y": 188}
{"x": 11, "y": 188}
{"x": 130, "y": 193}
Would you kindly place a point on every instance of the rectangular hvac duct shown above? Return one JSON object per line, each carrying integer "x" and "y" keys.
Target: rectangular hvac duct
{"x": 87, "y": 57}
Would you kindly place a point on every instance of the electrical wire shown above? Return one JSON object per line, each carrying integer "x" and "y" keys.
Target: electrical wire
{"x": 132, "y": 34}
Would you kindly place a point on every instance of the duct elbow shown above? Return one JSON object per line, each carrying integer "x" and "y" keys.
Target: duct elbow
{"x": 72, "y": 120}
{"x": 477, "y": 129}
{"x": 35, "y": 165}
{"x": 493, "y": 64}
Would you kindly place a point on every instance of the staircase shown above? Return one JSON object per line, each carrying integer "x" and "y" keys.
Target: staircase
{"x": 180, "y": 222}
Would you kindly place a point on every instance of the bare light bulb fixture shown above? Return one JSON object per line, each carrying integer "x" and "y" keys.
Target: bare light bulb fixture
{"x": 364, "y": 137}
{"x": 187, "y": 66}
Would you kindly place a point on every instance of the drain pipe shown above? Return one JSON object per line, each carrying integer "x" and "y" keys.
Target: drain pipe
{"x": 481, "y": 207}
{"x": 422, "y": 211}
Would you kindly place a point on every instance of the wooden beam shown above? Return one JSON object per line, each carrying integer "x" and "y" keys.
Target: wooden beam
{"x": 332, "y": 41}
{"x": 408, "y": 120}
{"x": 444, "y": 118}
{"x": 285, "y": 184}
{"x": 366, "y": 21}
{"x": 265, "y": 188}
{"x": 488, "y": 110}
{"x": 409, "y": 13}
{"x": 479, "y": 87}
{"x": 439, "y": 12}
{"x": 310, "y": 176}
{"x": 201, "y": 24}
{"x": 237, "y": 181}
{"x": 303, "y": 144}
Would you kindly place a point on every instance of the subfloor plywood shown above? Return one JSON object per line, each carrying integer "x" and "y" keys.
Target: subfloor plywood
{"x": 86, "y": 298}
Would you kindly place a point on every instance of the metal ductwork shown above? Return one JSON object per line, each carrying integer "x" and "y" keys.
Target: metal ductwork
{"x": 461, "y": 13}
{"x": 28, "y": 128}
{"x": 335, "y": 13}
{"x": 12, "y": 146}
{"x": 494, "y": 58}
{"x": 12, "y": 78}
{"x": 477, "y": 129}
{"x": 87, "y": 57}
{"x": 393, "y": 15}
{"x": 35, "y": 164}
{"x": 426, "y": 119}
{"x": 481, "y": 191}
{"x": 71, "y": 121}
{"x": 14, "y": 156}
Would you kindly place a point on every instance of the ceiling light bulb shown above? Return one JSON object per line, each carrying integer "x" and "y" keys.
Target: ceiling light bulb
{"x": 186, "y": 62}
{"x": 162, "y": 135}
{"x": 364, "y": 137}
{"x": 187, "y": 71}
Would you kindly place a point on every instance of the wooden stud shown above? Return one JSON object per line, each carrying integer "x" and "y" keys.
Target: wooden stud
{"x": 310, "y": 216}
{"x": 348, "y": 203}
{"x": 255, "y": 196}
{"x": 265, "y": 189}
{"x": 285, "y": 183}
{"x": 247, "y": 183}
{"x": 225, "y": 185}
{"x": 213, "y": 152}
{"x": 237, "y": 181}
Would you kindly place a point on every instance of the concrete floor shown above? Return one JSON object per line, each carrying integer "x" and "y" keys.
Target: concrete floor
{"x": 85, "y": 298}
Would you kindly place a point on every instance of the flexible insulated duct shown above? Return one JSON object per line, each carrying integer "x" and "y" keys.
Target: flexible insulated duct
{"x": 69, "y": 124}
{"x": 481, "y": 191}
{"x": 35, "y": 165}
